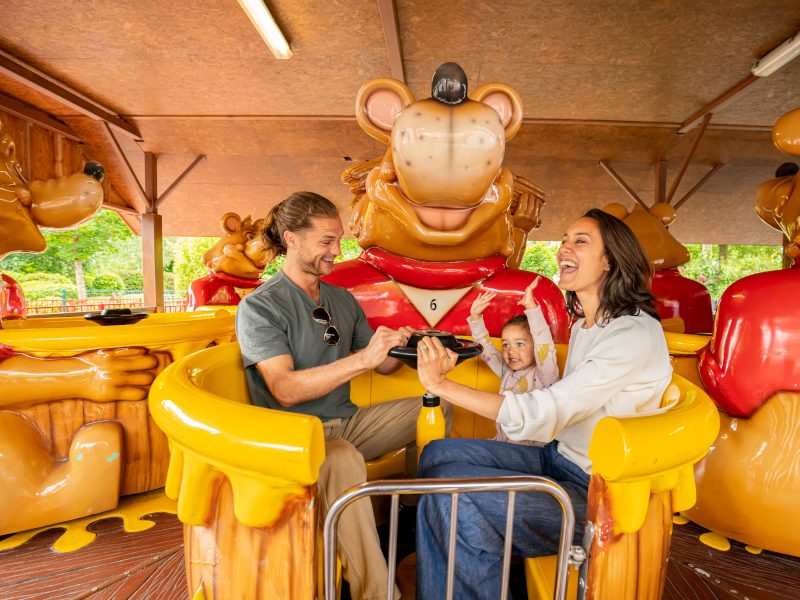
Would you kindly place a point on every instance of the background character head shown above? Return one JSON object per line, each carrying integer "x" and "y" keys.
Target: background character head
{"x": 53, "y": 204}
{"x": 241, "y": 251}
{"x": 777, "y": 201}
{"x": 650, "y": 228}
{"x": 440, "y": 192}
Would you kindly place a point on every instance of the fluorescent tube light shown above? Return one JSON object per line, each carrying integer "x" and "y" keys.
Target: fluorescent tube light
{"x": 783, "y": 54}
{"x": 267, "y": 27}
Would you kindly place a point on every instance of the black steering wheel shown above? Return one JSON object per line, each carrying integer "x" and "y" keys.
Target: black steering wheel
{"x": 463, "y": 348}
{"x": 116, "y": 316}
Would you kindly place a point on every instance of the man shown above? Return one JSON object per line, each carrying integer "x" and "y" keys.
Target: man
{"x": 306, "y": 339}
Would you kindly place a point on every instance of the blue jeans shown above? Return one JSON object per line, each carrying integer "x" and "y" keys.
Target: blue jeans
{"x": 482, "y": 516}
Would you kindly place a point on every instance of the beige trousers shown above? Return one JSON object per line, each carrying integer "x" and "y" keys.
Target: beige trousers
{"x": 368, "y": 434}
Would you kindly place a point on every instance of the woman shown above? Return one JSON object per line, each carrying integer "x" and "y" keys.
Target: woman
{"x": 617, "y": 364}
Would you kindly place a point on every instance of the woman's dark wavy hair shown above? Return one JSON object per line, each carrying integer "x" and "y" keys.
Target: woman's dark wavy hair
{"x": 293, "y": 214}
{"x": 625, "y": 290}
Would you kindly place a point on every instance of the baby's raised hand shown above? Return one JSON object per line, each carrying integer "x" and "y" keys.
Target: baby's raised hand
{"x": 481, "y": 303}
{"x": 528, "y": 301}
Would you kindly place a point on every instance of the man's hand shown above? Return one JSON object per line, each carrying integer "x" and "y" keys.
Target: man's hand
{"x": 384, "y": 340}
{"x": 481, "y": 303}
{"x": 434, "y": 362}
{"x": 528, "y": 301}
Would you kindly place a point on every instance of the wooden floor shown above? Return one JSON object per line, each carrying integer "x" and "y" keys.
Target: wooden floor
{"x": 149, "y": 564}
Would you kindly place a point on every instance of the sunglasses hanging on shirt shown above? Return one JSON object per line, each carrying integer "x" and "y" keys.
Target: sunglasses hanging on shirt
{"x": 331, "y": 334}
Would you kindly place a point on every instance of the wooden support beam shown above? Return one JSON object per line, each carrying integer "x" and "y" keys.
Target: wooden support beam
{"x": 152, "y": 242}
{"x": 660, "y": 181}
{"x": 152, "y": 261}
{"x": 151, "y": 180}
{"x": 687, "y": 159}
{"x": 391, "y": 34}
{"x": 121, "y": 209}
{"x": 718, "y": 103}
{"x": 621, "y": 183}
{"x": 179, "y": 178}
{"x": 699, "y": 184}
{"x": 131, "y": 172}
{"x": 44, "y": 84}
{"x": 38, "y": 117}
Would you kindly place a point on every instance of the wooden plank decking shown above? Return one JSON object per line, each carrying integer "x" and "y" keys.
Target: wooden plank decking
{"x": 149, "y": 564}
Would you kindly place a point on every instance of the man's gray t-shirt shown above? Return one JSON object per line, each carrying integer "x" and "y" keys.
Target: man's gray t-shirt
{"x": 275, "y": 319}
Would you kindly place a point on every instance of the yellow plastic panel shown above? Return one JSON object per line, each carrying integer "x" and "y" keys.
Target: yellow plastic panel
{"x": 685, "y": 343}
{"x": 624, "y": 448}
{"x": 67, "y": 336}
{"x": 361, "y": 390}
{"x": 267, "y": 455}
{"x": 638, "y": 455}
{"x": 540, "y": 577}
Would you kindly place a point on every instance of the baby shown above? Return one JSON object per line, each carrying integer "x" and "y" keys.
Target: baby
{"x": 528, "y": 358}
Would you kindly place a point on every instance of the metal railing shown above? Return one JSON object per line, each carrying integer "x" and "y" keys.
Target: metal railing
{"x": 98, "y": 300}
{"x": 566, "y": 552}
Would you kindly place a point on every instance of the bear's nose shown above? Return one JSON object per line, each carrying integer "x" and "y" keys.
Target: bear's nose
{"x": 95, "y": 170}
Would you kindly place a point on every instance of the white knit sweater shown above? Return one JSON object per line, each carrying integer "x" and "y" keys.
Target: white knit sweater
{"x": 617, "y": 369}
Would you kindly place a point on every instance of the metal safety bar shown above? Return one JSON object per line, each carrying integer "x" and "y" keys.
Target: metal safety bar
{"x": 566, "y": 552}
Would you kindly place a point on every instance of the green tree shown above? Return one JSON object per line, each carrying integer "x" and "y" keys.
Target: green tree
{"x": 540, "y": 257}
{"x": 717, "y": 270}
{"x": 67, "y": 251}
{"x": 188, "y": 259}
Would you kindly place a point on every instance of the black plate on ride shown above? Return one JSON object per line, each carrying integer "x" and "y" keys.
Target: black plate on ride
{"x": 115, "y": 316}
{"x": 463, "y": 348}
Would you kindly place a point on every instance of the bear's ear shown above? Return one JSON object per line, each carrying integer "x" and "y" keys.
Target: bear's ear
{"x": 378, "y": 102}
{"x": 231, "y": 222}
{"x": 664, "y": 213}
{"x": 617, "y": 210}
{"x": 786, "y": 132}
{"x": 505, "y": 101}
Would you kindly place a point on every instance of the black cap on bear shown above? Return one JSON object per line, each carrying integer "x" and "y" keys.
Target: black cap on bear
{"x": 449, "y": 84}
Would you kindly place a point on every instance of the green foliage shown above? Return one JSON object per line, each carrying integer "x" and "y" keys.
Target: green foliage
{"x": 540, "y": 257}
{"x": 36, "y": 290}
{"x": 168, "y": 253}
{"x": 717, "y": 267}
{"x": 273, "y": 267}
{"x": 123, "y": 255}
{"x": 133, "y": 280}
{"x": 91, "y": 243}
{"x": 188, "y": 265}
{"x": 105, "y": 282}
{"x": 350, "y": 250}
{"x": 169, "y": 282}
{"x": 31, "y": 278}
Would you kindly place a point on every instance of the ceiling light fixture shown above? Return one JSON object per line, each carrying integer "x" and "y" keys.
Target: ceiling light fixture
{"x": 266, "y": 26}
{"x": 783, "y": 54}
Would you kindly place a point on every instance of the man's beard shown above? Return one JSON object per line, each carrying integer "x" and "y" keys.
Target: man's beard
{"x": 314, "y": 268}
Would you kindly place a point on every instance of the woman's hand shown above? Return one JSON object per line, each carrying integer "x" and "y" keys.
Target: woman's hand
{"x": 480, "y": 304}
{"x": 528, "y": 301}
{"x": 434, "y": 362}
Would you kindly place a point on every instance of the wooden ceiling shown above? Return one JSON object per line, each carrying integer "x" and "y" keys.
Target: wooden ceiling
{"x": 599, "y": 81}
